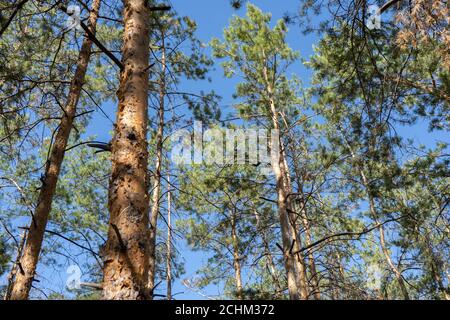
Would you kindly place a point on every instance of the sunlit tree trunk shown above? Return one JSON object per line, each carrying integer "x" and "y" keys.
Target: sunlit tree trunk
{"x": 30, "y": 256}
{"x": 301, "y": 211}
{"x": 294, "y": 265}
{"x": 293, "y": 217}
{"x": 126, "y": 252}
{"x": 295, "y": 270}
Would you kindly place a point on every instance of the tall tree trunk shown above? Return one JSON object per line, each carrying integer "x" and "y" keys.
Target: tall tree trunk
{"x": 294, "y": 265}
{"x": 159, "y": 158}
{"x": 389, "y": 261}
{"x": 236, "y": 257}
{"x": 293, "y": 217}
{"x": 302, "y": 212}
{"x": 126, "y": 252}
{"x": 23, "y": 281}
{"x": 287, "y": 238}
{"x": 169, "y": 241}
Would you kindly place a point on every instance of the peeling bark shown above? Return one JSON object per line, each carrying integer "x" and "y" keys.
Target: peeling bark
{"x": 125, "y": 254}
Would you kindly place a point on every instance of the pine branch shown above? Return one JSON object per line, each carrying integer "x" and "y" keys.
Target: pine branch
{"x": 11, "y": 18}
{"x": 96, "y": 41}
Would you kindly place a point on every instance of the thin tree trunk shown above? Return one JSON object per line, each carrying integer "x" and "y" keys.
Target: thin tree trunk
{"x": 236, "y": 257}
{"x": 308, "y": 241}
{"x": 374, "y": 214}
{"x": 333, "y": 286}
{"x": 269, "y": 258}
{"x": 383, "y": 246}
{"x": 437, "y": 264}
{"x": 387, "y": 256}
{"x": 30, "y": 257}
{"x": 436, "y": 268}
{"x": 159, "y": 158}
{"x": 169, "y": 241}
{"x": 126, "y": 252}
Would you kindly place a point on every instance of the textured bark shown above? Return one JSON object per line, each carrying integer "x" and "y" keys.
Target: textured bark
{"x": 157, "y": 178}
{"x": 31, "y": 251}
{"x": 236, "y": 258}
{"x": 125, "y": 254}
{"x": 286, "y": 235}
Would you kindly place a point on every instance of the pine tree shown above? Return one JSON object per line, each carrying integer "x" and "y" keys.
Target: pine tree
{"x": 262, "y": 55}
